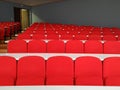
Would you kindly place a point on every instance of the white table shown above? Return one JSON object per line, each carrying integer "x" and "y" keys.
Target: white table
{"x": 47, "y": 55}
{"x": 59, "y": 88}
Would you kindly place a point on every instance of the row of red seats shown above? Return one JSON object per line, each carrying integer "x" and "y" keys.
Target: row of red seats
{"x": 7, "y": 29}
{"x": 74, "y": 32}
{"x": 63, "y": 31}
{"x": 70, "y": 28}
{"x": 68, "y": 37}
{"x": 59, "y": 46}
{"x": 59, "y": 70}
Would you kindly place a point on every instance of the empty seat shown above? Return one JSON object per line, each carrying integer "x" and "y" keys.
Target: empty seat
{"x": 111, "y": 71}
{"x": 53, "y": 36}
{"x": 36, "y": 46}
{"x": 95, "y": 37}
{"x": 17, "y": 46}
{"x": 80, "y": 37}
{"x": 88, "y": 71}
{"x": 66, "y": 37}
{"x": 109, "y": 37}
{"x": 55, "y": 46}
{"x": 24, "y": 36}
{"x": 31, "y": 71}
{"x": 112, "y": 47}
{"x": 59, "y": 71}
{"x": 7, "y": 71}
{"x": 39, "y": 36}
{"x": 93, "y": 46}
{"x": 74, "y": 46}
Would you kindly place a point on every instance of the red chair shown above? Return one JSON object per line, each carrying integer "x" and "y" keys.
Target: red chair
{"x": 53, "y": 36}
{"x": 31, "y": 71}
{"x": 74, "y": 46}
{"x": 55, "y": 46}
{"x": 93, "y": 46}
{"x": 80, "y": 37}
{"x": 66, "y": 37}
{"x": 88, "y": 71}
{"x": 111, "y": 71}
{"x": 24, "y": 36}
{"x": 109, "y": 37}
{"x": 112, "y": 47}
{"x": 36, "y": 46}
{"x": 59, "y": 71}
{"x": 7, "y": 71}
{"x": 17, "y": 46}
{"x": 95, "y": 37}
{"x": 38, "y": 36}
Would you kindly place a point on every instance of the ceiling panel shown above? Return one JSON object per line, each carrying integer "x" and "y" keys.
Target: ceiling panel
{"x": 32, "y": 2}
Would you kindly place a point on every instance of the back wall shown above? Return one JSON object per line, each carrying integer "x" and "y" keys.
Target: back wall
{"x": 80, "y": 12}
{"x": 7, "y": 10}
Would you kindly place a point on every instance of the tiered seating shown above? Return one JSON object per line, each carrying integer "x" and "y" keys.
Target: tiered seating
{"x": 70, "y": 32}
{"x": 59, "y": 70}
{"x": 62, "y": 70}
{"x": 7, "y": 29}
{"x": 59, "y": 46}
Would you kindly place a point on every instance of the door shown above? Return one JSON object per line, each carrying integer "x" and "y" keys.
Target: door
{"x": 22, "y": 16}
{"x": 17, "y": 14}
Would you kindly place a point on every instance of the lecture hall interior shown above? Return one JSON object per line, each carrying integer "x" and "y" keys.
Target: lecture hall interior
{"x": 59, "y": 44}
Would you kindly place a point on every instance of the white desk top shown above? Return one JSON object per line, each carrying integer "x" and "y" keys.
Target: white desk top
{"x": 47, "y": 55}
{"x": 59, "y": 88}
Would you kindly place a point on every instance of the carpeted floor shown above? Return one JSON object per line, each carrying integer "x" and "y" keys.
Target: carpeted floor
{"x": 3, "y": 48}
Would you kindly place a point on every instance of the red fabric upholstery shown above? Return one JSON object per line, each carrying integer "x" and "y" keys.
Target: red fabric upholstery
{"x": 89, "y": 81}
{"x": 109, "y": 37}
{"x": 55, "y": 46}
{"x": 111, "y": 71}
{"x": 24, "y": 36}
{"x": 59, "y": 81}
{"x": 94, "y": 37}
{"x": 7, "y": 71}
{"x": 74, "y": 46}
{"x": 112, "y": 47}
{"x": 93, "y": 46}
{"x": 80, "y": 37}
{"x": 88, "y": 71}
{"x": 38, "y": 36}
{"x": 17, "y": 46}
{"x": 59, "y": 71}
{"x": 31, "y": 71}
{"x": 36, "y": 46}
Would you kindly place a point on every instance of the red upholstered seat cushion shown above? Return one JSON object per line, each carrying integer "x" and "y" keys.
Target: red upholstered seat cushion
{"x": 7, "y": 81}
{"x": 60, "y": 81}
{"x": 112, "y": 81}
{"x": 92, "y": 81}
{"x": 30, "y": 81}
